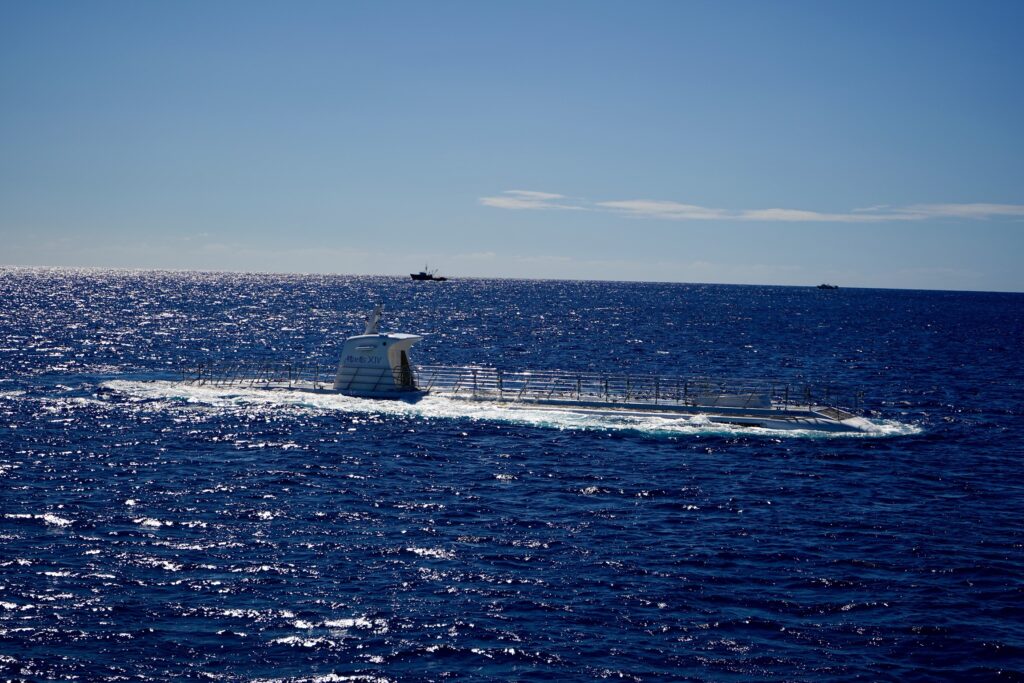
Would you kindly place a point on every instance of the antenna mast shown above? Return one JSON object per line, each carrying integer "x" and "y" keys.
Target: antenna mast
{"x": 373, "y": 320}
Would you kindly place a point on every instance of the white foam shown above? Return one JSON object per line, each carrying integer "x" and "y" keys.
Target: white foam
{"x": 239, "y": 613}
{"x": 432, "y": 553}
{"x": 54, "y": 520}
{"x": 48, "y": 518}
{"x": 161, "y": 564}
{"x": 298, "y": 641}
{"x": 326, "y": 678}
{"x": 152, "y": 523}
{"x": 357, "y": 622}
{"x": 378, "y": 626}
{"x": 167, "y": 395}
{"x": 891, "y": 428}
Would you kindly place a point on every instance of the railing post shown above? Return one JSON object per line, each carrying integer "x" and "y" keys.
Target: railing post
{"x": 522, "y": 390}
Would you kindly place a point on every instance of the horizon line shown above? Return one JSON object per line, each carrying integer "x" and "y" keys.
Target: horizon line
{"x": 456, "y": 278}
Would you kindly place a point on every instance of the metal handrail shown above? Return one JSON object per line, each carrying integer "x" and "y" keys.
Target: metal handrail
{"x": 492, "y": 383}
{"x": 488, "y": 383}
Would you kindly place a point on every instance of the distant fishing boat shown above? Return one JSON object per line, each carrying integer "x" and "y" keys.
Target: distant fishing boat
{"x": 377, "y": 365}
{"x": 427, "y": 274}
{"x": 825, "y": 285}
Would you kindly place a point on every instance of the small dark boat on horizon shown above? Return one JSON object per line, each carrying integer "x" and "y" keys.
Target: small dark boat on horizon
{"x": 427, "y": 274}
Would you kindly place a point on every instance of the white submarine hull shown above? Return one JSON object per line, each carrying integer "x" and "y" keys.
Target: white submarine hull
{"x": 376, "y": 365}
{"x": 776, "y": 417}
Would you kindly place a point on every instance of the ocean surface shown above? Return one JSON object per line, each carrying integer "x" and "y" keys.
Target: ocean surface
{"x": 154, "y": 531}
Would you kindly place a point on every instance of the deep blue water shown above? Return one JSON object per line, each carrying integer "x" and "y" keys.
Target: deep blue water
{"x": 155, "y": 531}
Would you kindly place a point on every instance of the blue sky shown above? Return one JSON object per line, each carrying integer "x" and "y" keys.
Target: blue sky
{"x": 871, "y": 144}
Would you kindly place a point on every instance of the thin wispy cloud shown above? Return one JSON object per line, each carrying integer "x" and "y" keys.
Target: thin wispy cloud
{"x": 977, "y": 211}
{"x": 677, "y": 211}
{"x": 527, "y": 199}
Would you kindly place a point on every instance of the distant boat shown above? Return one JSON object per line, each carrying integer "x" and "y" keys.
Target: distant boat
{"x": 825, "y": 285}
{"x": 427, "y": 274}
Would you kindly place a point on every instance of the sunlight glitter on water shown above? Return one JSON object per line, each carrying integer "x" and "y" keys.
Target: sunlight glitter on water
{"x": 155, "y": 532}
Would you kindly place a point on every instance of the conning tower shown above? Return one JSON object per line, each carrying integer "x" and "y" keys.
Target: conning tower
{"x": 376, "y": 365}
